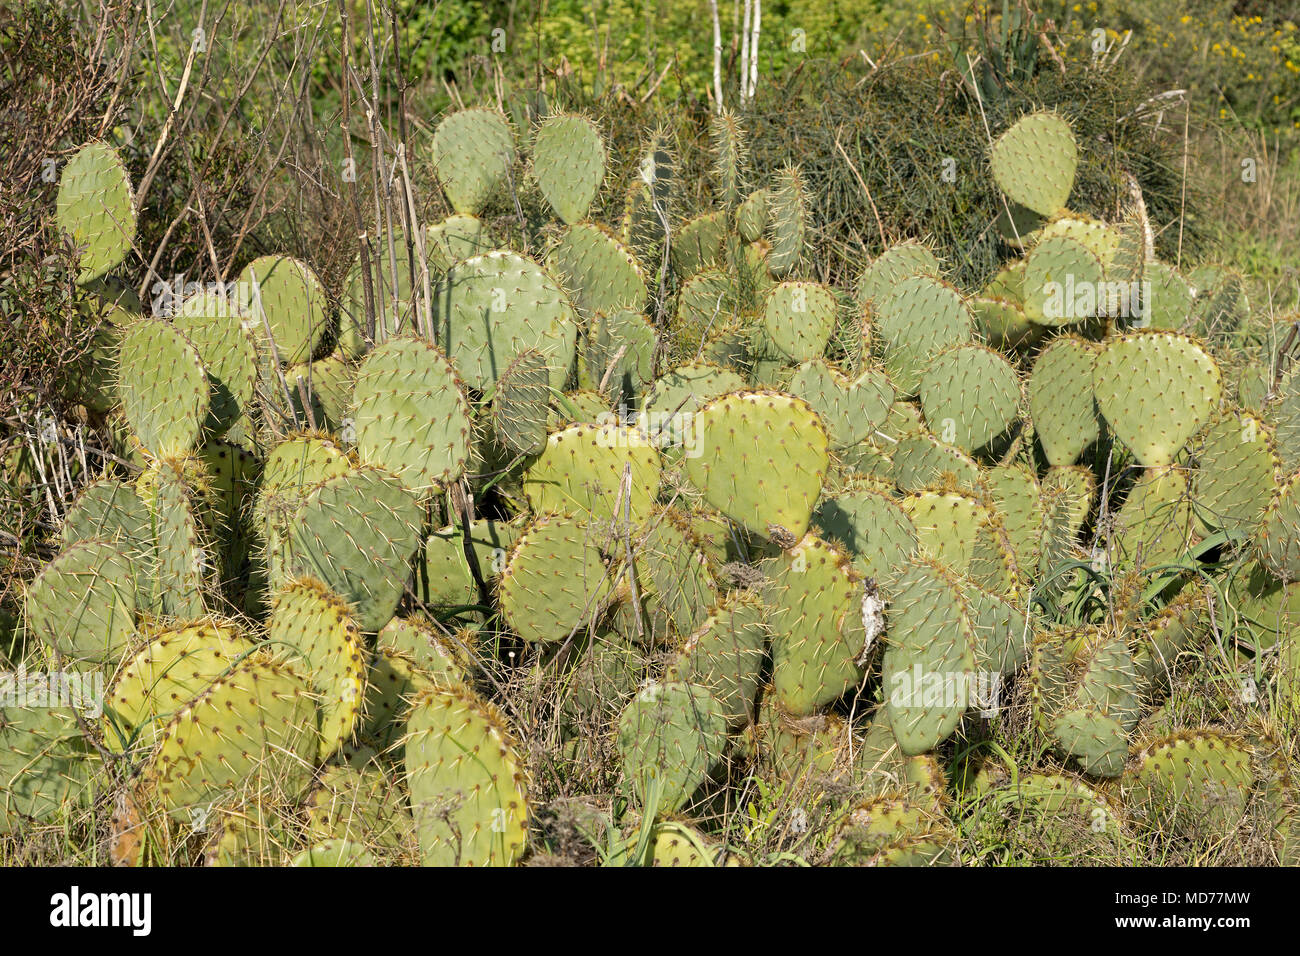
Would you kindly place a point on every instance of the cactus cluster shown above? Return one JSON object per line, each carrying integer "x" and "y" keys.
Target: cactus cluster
{"x": 362, "y": 582}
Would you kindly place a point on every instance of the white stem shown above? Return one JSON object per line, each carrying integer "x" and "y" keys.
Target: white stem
{"x": 717, "y": 56}
{"x": 753, "y": 49}
{"x": 744, "y": 52}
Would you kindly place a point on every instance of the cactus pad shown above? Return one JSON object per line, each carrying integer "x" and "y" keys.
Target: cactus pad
{"x": 473, "y": 151}
{"x": 467, "y": 786}
{"x": 1034, "y": 162}
{"x": 763, "y": 457}
{"x": 1060, "y": 398}
{"x": 670, "y": 737}
{"x": 555, "y": 580}
{"x": 96, "y": 209}
{"x": 569, "y": 164}
{"x": 163, "y": 386}
{"x": 356, "y": 533}
{"x": 410, "y": 414}
{"x": 970, "y": 395}
{"x": 1155, "y": 389}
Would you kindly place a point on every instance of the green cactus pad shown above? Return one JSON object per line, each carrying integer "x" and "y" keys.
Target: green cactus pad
{"x": 391, "y": 684}
{"x": 698, "y": 244}
{"x": 493, "y": 307}
{"x": 798, "y": 318}
{"x": 439, "y": 658}
{"x": 850, "y": 409}
{"x": 1170, "y": 303}
{"x": 930, "y": 657}
{"x": 95, "y": 208}
{"x": 1156, "y": 521}
{"x": 1018, "y": 227}
{"x": 787, "y": 216}
{"x": 410, "y": 414}
{"x": 473, "y": 151}
{"x": 600, "y": 684}
{"x": 582, "y": 472}
{"x": 876, "y": 532}
{"x": 334, "y": 853}
{"x": 619, "y": 352}
{"x": 468, "y": 791}
{"x": 922, "y": 461}
{"x": 110, "y": 510}
{"x": 900, "y": 261}
{"x": 283, "y": 293}
{"x": 1278, "y": 538}
{"x": 569, "y": 164}
{"x": 600, "y": 274}
{"x": 963, "y": 534}
{"x": 1079, "y": 487}
{"x": 1238, "y": 473}
{"x": 46, "y": 764}
{"x": 360, "y": 804}
{"x": 188, "y": 562}
{"x": 921, "y": 317}
{"x": 970, "y": 395}
{"x": 313, "y": 630}
{"x": 1096, "y": 741}
{"x": 213, "y": 326}
{"x": 889, "y": 831}
{"x": 1061, "y": 401}
{"x": 674, "y": 572}
{"x": 1190, "y": 781}
{"x": 454, "y": 240}
{"x": 163, "y": 386}
{"x": 1034, "y": 162}
{"x": 329, "y": 385}
{"x": 356, "y": 533}
{"x": 818, "y": 632}
{"x": 555, "y": 579}
{"x": 752, "y": 215}
{"x": 520, "y": 404}
{"x": 1155, "y": 389}
{"x": 725, "y": 656}
{"x": 1004, "y": 324}
{"x": 108, "y": 307}
{"x": 799, "y": 750}
{"x": 83, "y": 603}
{"x": 669, "y": 738}
{"x": 1015, "y": 496}
{"x": 1062, "y": 282}
{"x": 707, "y": 303}
{"x": 668, "y": 413}
{"x": 171, "y": 670}
{"x": 1002, "y": 633}
{"x": 762, "y": 459}
{"x": 1283, "y": 413}
{"x": 251, "y": 735}
{"x": 292, "y": 468}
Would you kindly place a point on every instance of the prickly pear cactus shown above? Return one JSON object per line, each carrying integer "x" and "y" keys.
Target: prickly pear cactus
{"x": 410, "y": 414}
{"x": 762, "y": 458}
{"x": 468, "y": 792}
{"x": 96, "y": 209}
{"x": 670, "y": 737}
{"x": 592, "y": 508}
